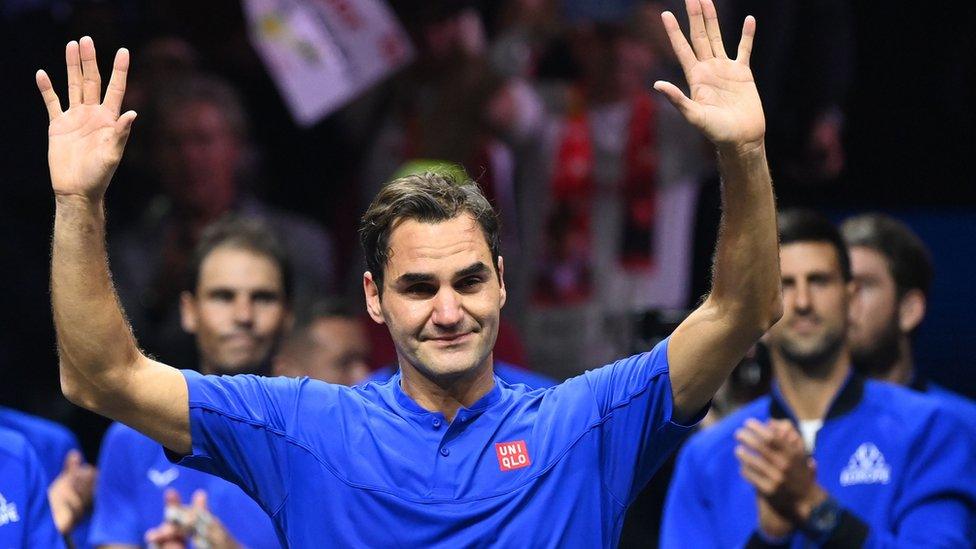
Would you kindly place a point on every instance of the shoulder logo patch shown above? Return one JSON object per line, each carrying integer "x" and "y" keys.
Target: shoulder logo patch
{"x": 866, "y": 466}
{"x": 512, "y": 455}
{"x": 162, "y": 478}
{"x": 8, "y": 511}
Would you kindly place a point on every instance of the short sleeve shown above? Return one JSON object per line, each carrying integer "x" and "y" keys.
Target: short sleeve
{"x": 41, "y": 531}
{"x": 635, "y": 403}
{"x": 115, "y": 518}
{"x": 239, "y": 427}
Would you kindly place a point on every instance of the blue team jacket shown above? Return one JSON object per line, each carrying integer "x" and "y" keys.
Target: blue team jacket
{"x": 25, "y": 517}
{"x": 895, "y": 459}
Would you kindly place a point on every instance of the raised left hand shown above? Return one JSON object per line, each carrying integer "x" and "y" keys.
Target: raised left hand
{"x": 189, "y": 522}
{"x": 70, "y": 495}
{"x": 724, "y": 101}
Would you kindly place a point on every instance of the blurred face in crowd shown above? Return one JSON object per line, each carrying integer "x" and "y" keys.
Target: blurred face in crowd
{"x": 333, "y": 349}
{"x": 237, "y": 312}
{"x": 875, "y": 333}
{"x": 197, "y": 157}
{"x": 441, "y": 297}
{"x": 815, "y": 298}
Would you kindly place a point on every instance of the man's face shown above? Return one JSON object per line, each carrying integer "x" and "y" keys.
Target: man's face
{"x": 339, "y": 352}
{"x": 197, "y": 156}
{"x": 874, "y": 332}
{"x": 238, "y": 310}
{"x": 815, "y": 299}
{"x": 441, "y": 296}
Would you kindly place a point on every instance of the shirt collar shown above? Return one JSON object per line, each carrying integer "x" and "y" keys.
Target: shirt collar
{"x": 845, "y": 400}
{"x": 410, "y": 405}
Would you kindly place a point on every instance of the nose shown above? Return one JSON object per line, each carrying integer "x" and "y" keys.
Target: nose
{"x": 447, "y": 308}
{"x": 243, "y": 311}
{"x": 802, "y": 301}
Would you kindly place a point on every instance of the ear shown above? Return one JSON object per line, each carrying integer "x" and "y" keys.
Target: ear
{"x": 911, "y": 311}
{"x": 373, "y": 305}
{"x": 503, "y": 294}
{"x": 188, "y": 312}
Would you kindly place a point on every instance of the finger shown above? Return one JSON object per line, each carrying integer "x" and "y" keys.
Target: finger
{"x": 50, "y": 97}
{"x": 752, "y": 442}
{"x": 688, "y": 108}
{"x": 116, "y": 83}
{"x": 696, "y": 29}
{"x": 171, "y": 497}
{"x": 754, "y": 470}
{"x": 745, "y": 43}
{"x": 712, "y": 29}
{"x": 762, "y": 484}
{"x": 72, "y": 461}
{"x": 92, "y": 89}
{"x": 200, "y": 499}
{"x": 72, "y": 58}
{"x": 763, "y": 432}
{"x": 682, "y": 50}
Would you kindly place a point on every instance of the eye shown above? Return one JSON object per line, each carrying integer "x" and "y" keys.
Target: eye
{"x": 265, "y": 297}
{"x": 421, "y": 290}
{"x": 222, "y": 295}
{"x": 470, "y": 283}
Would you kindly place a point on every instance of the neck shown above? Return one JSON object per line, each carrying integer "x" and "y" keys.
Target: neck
{"x": 903, "y": 370}
{"x": 808, "y": 395}
{"x": 446, "y": 396}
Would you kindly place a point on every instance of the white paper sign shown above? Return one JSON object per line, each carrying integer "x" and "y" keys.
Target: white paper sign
{"x": 322, "y": 53}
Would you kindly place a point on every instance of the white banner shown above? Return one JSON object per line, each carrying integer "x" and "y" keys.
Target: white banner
{"x": 322, "y": 53}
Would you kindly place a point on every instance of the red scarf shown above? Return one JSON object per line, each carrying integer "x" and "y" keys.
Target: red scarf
{"x": 566, "y": 274}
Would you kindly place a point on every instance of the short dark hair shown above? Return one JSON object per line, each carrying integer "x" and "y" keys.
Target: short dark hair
{"x": 909, "y": 261}
{"x": 327, "y": 307}
{"x": 244, "y": 233}
{"x": 797, "y": 225}
{"x": 428, "y": 197}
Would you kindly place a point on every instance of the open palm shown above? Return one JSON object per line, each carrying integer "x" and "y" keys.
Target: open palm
{"x": 85, "y": 142}
{"x": 724, "y": 101}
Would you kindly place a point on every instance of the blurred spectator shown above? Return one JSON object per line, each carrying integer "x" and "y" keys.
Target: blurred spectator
{"x": 237, "y": 302}
{"x": 613, "y": 204}
{"x": 893, "y": 272}
{"x": 828, "y": 459}
{"x": 70, "y": 481}
{"x": 329, "y": 344}
{"x": 200, "y": 155}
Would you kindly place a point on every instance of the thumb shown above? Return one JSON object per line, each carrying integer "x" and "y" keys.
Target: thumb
{"x": 124, "y": 124}
{"x": 688, "y": 108}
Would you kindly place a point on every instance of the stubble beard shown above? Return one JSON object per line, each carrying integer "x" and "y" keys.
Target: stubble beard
{"x": 878, "y": 357}
{"x": 814, "y": 360}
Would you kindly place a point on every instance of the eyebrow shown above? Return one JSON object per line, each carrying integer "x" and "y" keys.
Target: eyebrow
{"x": 412, "y": 278}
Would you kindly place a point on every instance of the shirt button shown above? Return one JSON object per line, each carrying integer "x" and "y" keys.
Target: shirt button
{"x": 445, "y": 452}
{"x": 437, "y": 423}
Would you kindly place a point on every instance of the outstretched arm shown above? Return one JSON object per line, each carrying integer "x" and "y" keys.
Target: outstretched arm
{"x": 745, "y": 299}
{"x": 102, "y": 368}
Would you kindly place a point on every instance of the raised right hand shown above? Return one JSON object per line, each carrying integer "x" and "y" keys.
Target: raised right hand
{"x": 85, "y": 142}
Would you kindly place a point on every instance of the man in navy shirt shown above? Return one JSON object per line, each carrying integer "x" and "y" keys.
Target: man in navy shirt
{"x": 889, "y": 467}
{"x": 236, "y": 304}
{"x": 893, "y": 272}
{"x": 441, "y": 454}
{"x": 25, "y": 516}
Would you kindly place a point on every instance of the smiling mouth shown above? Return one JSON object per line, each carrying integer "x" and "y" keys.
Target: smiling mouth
{"x": 451, "y": 340}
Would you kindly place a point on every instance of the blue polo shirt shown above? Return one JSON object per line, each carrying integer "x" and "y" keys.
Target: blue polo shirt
{"x": 133, "y": 475}
{"x": 52, "y": 442}
{"x": 366, "y": 466}
{"x": 895, "y": 460}
{"x": 25, "y": 517}
{"x": 509, "y": 373}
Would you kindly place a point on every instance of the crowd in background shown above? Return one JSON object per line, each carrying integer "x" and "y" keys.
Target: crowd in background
{"x": 608, "y": 199}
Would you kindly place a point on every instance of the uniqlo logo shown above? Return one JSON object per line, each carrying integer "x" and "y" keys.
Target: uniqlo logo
{"x": 512, "y": 455}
